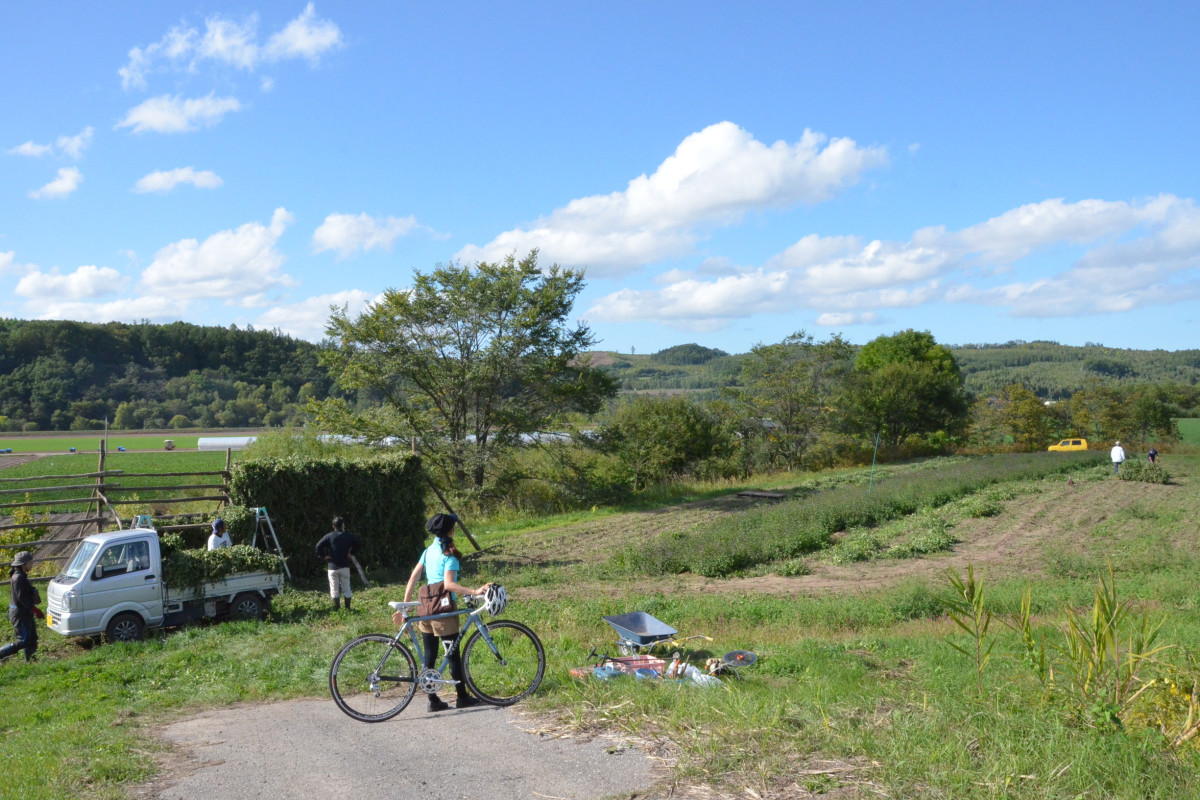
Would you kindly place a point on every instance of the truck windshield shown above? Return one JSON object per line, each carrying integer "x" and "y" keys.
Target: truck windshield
{"x": 79, "y": 563}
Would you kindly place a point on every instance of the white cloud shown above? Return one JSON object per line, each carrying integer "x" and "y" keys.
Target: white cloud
{"x": 175, "y": 46}
{"x": 84, "y": 282}
{"x": 68, "y": 180}
{"x": 714, "y": 177}
{"x": 231, "y": 265}
{"x": 165, "y": 181}
{"x": 72, "y": 146}
{"x": 233, "y": 43}
{"x": 230, "y": 42}
{"x": 1141, "y": 254}
{"x": 308, "y": 318}
{"x": 75, "y": 145}
{"x": 347, "y": 233}
{"x": 845, "y": 318}
{"x": 130, "y": 309}
{"x": 31, "y": 149}
{"x": 167, "y": 114}
{"x": 305, "y": 37}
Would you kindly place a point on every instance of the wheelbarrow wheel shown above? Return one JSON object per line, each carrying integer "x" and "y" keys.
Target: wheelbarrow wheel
{"x": 626, "y": 649}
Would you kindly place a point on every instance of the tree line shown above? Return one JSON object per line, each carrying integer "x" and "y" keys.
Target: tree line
{"x": 61, "y": 375}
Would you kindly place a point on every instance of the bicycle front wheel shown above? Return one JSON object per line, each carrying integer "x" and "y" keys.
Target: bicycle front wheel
{"x": 373, "y": 678}
{"x": 510, "y": 672}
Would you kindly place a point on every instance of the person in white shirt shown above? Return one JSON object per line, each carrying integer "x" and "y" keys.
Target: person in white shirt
{"x": 1118, "y": 455}
{"x": 219, "y": 538}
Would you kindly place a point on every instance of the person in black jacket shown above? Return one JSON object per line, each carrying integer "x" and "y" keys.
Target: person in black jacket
{"x": 23, "y": 608}
{"x": 336, "y": 547}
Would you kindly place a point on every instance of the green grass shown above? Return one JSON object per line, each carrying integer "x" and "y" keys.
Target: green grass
{"x": 90, "y": 442}
{"x": 862, "y": 682}
{"x": 1189, "y": 430}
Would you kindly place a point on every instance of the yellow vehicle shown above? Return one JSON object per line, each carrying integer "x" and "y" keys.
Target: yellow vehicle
{"x": 1067, "y": 445}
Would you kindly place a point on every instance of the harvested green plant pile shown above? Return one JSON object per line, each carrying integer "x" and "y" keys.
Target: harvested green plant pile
{"x": 191, "y": 569}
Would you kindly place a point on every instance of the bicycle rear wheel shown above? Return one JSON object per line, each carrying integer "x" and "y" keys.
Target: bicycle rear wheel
{"x": 373, "y": 678}
{"x": 511, "y": 674}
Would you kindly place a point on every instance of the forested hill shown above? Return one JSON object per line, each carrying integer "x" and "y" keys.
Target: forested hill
{"x": 71, "y": 375}
{"x": 1050, "y": 370}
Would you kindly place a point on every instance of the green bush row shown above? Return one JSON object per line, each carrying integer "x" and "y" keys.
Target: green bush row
{"x": 1145, "y": 471}
{"x": 381, "y": 497}
{"x": 795, "y": 527}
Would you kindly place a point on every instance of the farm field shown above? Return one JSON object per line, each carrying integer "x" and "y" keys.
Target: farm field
{"x": 857, "y": 692}
{"x": 90, "y": 443}
{"x": 1189, "y": 431}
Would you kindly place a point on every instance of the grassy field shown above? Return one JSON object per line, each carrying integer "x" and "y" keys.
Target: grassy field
{"x": 1189, "y": 431}
{"x": 857, "y": 693}
{"x": 90, "y": 442}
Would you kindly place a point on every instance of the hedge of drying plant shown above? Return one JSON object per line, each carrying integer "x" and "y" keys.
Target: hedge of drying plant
{"x": 792, "y": 528}
{"x": 381, "y": 497}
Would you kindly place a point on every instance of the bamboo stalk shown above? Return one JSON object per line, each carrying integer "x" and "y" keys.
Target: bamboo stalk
{"x": 32, "y": 489}
{"x": 125, "y": 488}
{"x": 48, "y": 502}
{"x": 159, "y": 500}
{"x": 38, "y": 543}
{"x": 46, "y": 524}
{"x": 57, "y": 477}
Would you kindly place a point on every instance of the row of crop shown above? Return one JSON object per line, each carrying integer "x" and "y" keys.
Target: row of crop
{"x": 795, "y": 527}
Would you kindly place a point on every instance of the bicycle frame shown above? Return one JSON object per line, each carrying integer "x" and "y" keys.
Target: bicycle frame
{"x": 410, "y": 628}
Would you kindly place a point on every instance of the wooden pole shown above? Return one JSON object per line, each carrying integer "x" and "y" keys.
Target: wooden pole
{"x": 441, "y": 497}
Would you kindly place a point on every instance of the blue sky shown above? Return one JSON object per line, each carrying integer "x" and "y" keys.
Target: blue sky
{"x": 726, "y": 173}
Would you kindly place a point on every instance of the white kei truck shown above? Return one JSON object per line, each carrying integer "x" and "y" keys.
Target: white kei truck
{"x": 113, "y": 586}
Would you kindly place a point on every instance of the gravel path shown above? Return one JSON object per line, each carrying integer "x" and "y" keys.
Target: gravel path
{"x": 308, "y": 748}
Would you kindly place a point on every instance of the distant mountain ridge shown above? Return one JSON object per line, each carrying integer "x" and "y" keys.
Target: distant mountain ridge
{"x": 1052, "y": 371}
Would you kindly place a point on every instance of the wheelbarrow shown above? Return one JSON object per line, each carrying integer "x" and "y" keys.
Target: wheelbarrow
{"x": 639, "y": 631}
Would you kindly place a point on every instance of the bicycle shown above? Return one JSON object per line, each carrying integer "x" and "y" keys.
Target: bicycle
{"x": 374, "y": 677}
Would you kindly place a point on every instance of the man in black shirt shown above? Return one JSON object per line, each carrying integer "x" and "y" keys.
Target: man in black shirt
{"x": 23, "y": 608}
{"x": 336, "y": 547}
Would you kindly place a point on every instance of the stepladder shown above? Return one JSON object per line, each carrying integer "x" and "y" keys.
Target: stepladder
{"x": 263, "y": 525}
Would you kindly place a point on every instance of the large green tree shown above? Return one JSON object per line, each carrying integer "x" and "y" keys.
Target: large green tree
{"x": 656, "y": 438}
{"x": 791, "y": 390}
{"x": 906, "y": 385}
{"x": 464, "y": 363}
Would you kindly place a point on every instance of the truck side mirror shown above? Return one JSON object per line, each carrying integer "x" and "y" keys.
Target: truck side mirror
{"x": 98, "y": 572}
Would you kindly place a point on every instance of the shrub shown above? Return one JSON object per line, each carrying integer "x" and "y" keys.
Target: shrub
{"x": 1144, "y": 471}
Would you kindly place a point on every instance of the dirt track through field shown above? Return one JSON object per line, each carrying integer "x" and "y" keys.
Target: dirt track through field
{"x": 1013, "y": 543}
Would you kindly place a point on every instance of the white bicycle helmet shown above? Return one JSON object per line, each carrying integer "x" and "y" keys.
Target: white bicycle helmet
{"x": 495, "y": 599}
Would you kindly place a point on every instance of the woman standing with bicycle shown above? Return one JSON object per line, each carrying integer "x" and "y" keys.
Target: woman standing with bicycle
{"x": 440, "y": 562}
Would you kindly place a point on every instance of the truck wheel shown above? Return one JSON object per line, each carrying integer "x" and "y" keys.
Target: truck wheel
{"x": 247, "y": 605}
{"x": 125, "y": 628}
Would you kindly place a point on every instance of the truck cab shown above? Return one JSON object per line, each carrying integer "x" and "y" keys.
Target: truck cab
{"x": 1068, "y": 445}
{"x": 112, "y": 577}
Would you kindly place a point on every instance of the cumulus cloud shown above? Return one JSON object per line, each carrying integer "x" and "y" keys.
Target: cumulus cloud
{"x": 348, "y": 233}
{"x": 305, "y": 37}
{"x": 233, "y": 43}
{"x": 167, "y": 114}
{"x": 72, "y": 146}
{"x": 713, "y": 178}
{"x": 129, "y": 309}
{"x": 68, "y": 180}
{"x": 1140, "y": 254}
{"x": 307, "y": 319}
{"x": 84, "y": 282}
{"x": 165, "y": 181}
{"x": 231, "y": 265}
